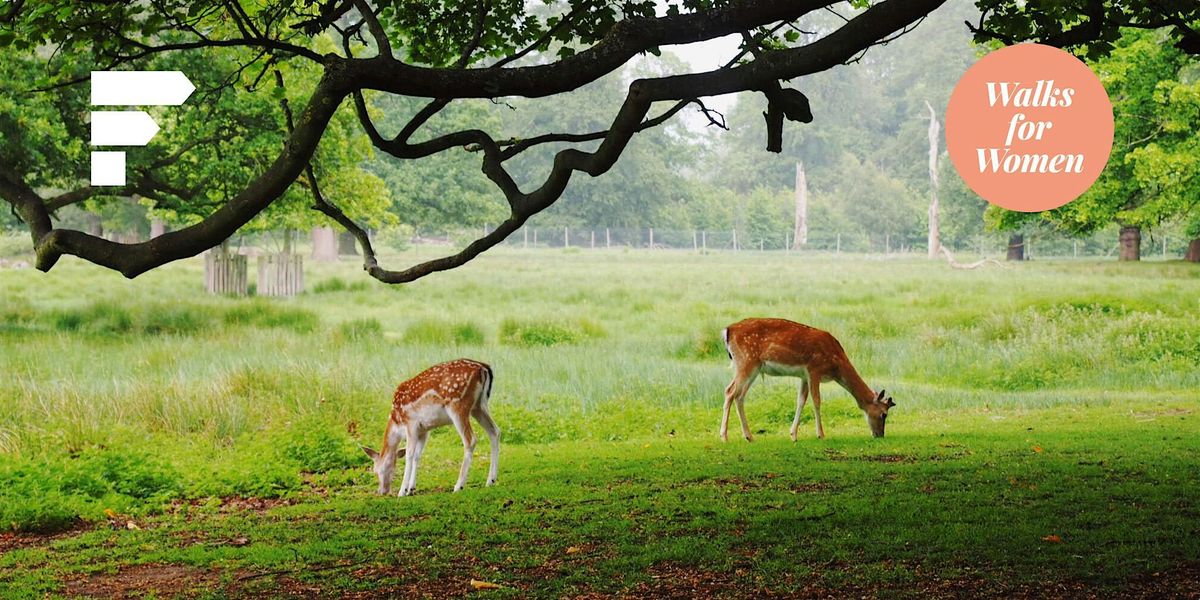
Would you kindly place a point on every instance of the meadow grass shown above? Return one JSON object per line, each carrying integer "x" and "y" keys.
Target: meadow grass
{"x": 1040, "y": 399}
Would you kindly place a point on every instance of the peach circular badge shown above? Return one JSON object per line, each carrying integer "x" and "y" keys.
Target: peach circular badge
{"x": 1029, "y": 127}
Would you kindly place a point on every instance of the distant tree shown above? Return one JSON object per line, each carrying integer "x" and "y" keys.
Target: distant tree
{"x": 875, "y": 113}
{"x": 1152, "y": 175}
{"x": 443, "y": 51}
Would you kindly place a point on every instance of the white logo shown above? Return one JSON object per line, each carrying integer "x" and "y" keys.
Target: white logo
{"x": 129, "y": 127}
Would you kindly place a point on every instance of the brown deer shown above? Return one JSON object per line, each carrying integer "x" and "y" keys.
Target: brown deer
{"x": 785, "y": 348}
{"x": 449, "y": 393}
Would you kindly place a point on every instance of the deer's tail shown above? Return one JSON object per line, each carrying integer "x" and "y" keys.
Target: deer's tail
{"x": 725, "y": 338}
{"x": 487, "y": 377}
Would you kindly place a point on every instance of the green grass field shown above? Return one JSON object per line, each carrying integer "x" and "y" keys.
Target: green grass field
{"x": 1046, "y": 440}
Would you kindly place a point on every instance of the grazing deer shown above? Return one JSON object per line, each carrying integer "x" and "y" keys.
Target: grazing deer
{"x": 447, "y": 393}
{"x": 786, "y": 348}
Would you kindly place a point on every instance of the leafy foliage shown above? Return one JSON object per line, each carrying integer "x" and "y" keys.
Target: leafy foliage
{"x": 1153, "y": 173}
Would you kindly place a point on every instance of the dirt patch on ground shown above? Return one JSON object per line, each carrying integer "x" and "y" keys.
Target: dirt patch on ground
{"x": 16, "y": 541}
{"x": 388, "y": 581}
{"x": 766, "y": 481}
{"x": 669, "y": 580}
{"x": 235, "y": 504}
{"x": 138, "y": 581}
{"x": 673, "y": 581}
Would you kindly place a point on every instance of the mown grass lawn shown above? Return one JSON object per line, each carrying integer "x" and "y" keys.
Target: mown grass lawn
{"x": 1046, "y": 502}
{"x": 1046, "y": 441}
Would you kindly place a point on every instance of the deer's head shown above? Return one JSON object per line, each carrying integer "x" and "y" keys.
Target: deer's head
{"x": 877, "y": 412}
{"x": 384, "y": 466}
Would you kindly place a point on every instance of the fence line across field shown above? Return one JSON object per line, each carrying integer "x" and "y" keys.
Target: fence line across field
{"x": 702, "y": 240}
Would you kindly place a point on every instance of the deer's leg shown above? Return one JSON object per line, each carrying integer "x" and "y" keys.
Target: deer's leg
{"x": 493, "y": 432}
{"x": 736, "y": 392}
{"x": 463, "y": 424}
{"x": 417, "y": 443}
{"x": 730, "y": 390}
{"x": 801, "y": 398}
{"x": 815, "y": 386}
{"x": 741, "y": 409}
{"x": 409, "y": 453}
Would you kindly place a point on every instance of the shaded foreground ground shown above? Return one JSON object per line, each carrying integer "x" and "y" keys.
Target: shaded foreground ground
{"x": 1065, "y": 502}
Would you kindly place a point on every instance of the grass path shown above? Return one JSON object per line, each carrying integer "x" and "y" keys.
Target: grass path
{"x": 1065, "y": 502}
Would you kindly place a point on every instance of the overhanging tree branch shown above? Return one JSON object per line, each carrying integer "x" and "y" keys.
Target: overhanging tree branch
{"x": 349, "y": 76}
{"x": 871, "y": 25}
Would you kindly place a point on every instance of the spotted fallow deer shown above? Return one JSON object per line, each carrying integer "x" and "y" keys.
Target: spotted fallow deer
{"x": 785, "y": 348}
{"x": 449, "y": 393}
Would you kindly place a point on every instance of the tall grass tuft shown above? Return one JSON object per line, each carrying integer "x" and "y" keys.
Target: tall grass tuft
{"x": 261, "y": 313}
{"x": 444, "y": 333}
{"x": 360, "y": 329}
{"x": 547, "y": 333}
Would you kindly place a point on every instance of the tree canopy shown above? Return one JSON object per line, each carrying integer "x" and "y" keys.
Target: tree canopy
{"x": 1153, "y": 174}
{"x": 1090, "y": 26}
{"x": 443, "y": 52}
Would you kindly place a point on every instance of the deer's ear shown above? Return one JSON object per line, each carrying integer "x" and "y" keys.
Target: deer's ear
{"x": 879, "y": 397}
{"x": 370, "y": 452}
{"x": 890, "y": 403}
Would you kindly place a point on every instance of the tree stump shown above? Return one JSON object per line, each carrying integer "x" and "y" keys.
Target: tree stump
{"x": 280, "y": 275}
{"x": 224, "y": 273}
{"x": 1131, "y": 242}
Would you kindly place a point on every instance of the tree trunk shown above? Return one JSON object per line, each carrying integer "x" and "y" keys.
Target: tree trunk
{"x": 347, "y": 244}
{"x": 1193, "y": 251}
{"x": 800, "y": 233}
{"x": 325, "y": 245}
{"x": 935, "y": 242}
{"x": 157, "y": 228}
{"x": 1016, "y": 246}
{"x": 1131, "y": 242}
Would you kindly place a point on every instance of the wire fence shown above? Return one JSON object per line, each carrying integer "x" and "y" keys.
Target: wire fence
{"x": 708, "y": 240}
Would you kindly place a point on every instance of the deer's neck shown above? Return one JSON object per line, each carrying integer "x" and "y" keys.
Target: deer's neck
{"x": 850, "y": 379}
{"x": 392, "y": 436}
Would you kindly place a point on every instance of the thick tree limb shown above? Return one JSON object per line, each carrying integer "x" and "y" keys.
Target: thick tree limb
{"x": 869, "y": 26}
{"x": 348, "y": 76}
{"x": 132, "y": 260}
{"x": 626, "y": 40}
